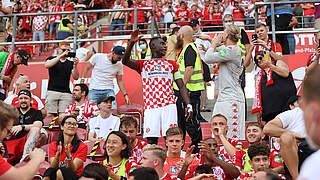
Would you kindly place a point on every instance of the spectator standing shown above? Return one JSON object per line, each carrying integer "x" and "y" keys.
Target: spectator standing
{"x": 231, "y": 100}
{"x": 81, "y": 108}
{"x": 60, "y": 69}
{"x": 39, "y": 24}
{"x": 8, "y": 67}
{"x": 171, "y": 43}
{"x": 6, "y": 7}
{"x": 182, "y": 15}
{"x": 102, "y": 125}
{"x": 54, "y": 20}
{"x": 8, "y": 115}
{"x": 106, "y": 67}
{"x": 66, "y": 27}
{"x": 117, "y": 17}
{"x": 238, "y": 13}
{"x": 194, "y": 13}
{"x": 308, "y": 12}
{"x": 25, "y": 21}
{"x": 141, "y": 18}
{"x": 275, "y": 84}
{"x": 169, "y": 15}
{"x": 26, "y": 132}
{"x": 67, "y": 154}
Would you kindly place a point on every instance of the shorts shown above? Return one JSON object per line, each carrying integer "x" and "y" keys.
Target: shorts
{"x": 235, "y": 114}
{"x": 15, "y": 149}
{"x": 94, "y": 94}
{"x": 158, "y": 120}
{"x": 57, "y": 102}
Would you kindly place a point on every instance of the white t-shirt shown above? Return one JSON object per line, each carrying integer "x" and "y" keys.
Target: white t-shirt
{"x": 310, "y": 167}
{"x": 81, "y": 53}
{"x": 102, "y": 127}
{"x": 206, "y": 45}
{"x": 292, "y": 120}
{"x": 103, "y": 72}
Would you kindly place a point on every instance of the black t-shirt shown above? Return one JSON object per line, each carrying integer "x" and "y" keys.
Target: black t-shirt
{"x": 190, "y": 57}
{"x": 59, "y": 76}
{"x": 28, "y": 118}
{"x": 143, "y": 55}
{"x": 244, "y": 37}
{"x": 65, "y": 22}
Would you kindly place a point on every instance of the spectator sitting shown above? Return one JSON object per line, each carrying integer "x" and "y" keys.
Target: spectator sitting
{"x": 117, "y": 149}
{"x": 94, "y": 171}
{"x": 106, "y": 67}
{"x": 60, "y": 69}
{"x": 8, "y": 67}
{"x": 290, "y": 127}
{"x": 8, "y": 115}
{"x": 275, "y": 84}
{"x": 39, "y": 24}
{"x": 154, "y": 156}
{"x": 129, "y": 126}
{"x": 25, "y": 133}
{"x": 254, "y": 134}
{"x": 144, "y": 173}
{"x": 81, "y": 108}
{"x": 102, "y": 125}
{"x": 67, "y": 154}
{"x": 23, "y": 82}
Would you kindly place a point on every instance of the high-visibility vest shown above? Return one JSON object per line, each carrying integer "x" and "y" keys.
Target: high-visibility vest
{"x": 122, "y": 169}
{"x": 62, "y": 27}
{"x": 148, "y": 54}
{"x": 196, "y": 82}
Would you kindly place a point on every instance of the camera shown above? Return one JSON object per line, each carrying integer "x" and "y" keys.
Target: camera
{"x": 71, "y": 54}
{"x": 254, "y": 37}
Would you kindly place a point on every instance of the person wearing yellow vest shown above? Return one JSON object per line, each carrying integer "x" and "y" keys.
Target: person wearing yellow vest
{"x": 117, "y": 150}
{"x": 158, "y": 75}
{"x": 145, "y": 51}
{"x": 231, "y": 101}
{"x": 66, "y": 27}
{"x": 189, "y": 62}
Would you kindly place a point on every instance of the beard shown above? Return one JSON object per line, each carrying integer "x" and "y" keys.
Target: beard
{"x": 113, "y": 61}
{"x": 179, "y": 44}
{"x": 24, "y": 106}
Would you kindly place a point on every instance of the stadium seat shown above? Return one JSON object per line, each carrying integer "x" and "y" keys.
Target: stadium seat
{"x": 88, "y": 161}
{"x": 43, "y": 167}
{"x": 99, "y": 155}
{"x": 82, "y": 134}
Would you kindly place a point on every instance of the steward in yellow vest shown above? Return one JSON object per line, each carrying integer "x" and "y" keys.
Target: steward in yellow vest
{"x": 145, "y": 51}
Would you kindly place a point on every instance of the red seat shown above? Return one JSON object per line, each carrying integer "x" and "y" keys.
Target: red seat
{"x": 53, "y": 134}
{"x": 99, "y": 155}
{"x": 43, "y": 167}
{"x": 88, "y": 161}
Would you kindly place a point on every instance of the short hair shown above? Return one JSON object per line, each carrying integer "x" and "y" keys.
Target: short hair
{"x": 174, "y": 131}
{"x": 311, "y": 85}
{"x": 260, "y": 53}
{"x": 96, "y": 171}
{"x": 128, "y": 121}
{"x": 19, "y": 78}
{"x": 219, "y": 115}
{"x": 144, "y": 173}
{"x": 292, "y": 100}
{"x": 182, "y": 2}
{"x": 258, "y": 149}
{"x": 228, "y": 16}
{"x": 157, "y": 151}
{"x": 7, "y": 114}
{"x": 125, "y": 153}
{"x": 153, "y": 39}
{"x": 259, "y": 25}
{"x": 271, "y": 174}
{"x": 255, "y": 124}
{"x": 143, "y": 40}
{"x": 234, "y": 32}
{"x": 84, "y": 88}
{"x": 64, "y": 44}
{"x": 203, "y": 169}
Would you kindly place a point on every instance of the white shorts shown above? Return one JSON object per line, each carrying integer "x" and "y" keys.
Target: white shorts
{"x": 158, "y": 120}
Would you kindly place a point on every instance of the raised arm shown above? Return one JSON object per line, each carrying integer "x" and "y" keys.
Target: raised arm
{"x": 127, "y": 60}
{"x": 281, "y": 68}
{"x": 274, "y": 128}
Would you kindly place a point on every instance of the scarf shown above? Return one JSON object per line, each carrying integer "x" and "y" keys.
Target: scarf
{"x": 256, "y": 106}
{"x": 7, "y": 71}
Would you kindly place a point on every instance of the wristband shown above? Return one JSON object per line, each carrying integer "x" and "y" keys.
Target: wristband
{"x": 189, "y": 108}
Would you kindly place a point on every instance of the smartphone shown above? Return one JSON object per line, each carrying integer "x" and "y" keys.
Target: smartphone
{"x": 71, "y": 54}
{"x": 254, "y": 37}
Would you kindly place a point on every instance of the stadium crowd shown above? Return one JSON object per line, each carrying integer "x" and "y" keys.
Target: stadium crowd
{"x": 79, "y": 134}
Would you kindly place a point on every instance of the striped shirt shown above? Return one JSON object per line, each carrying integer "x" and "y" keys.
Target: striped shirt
{"x": 118, "y": 14}
{"x": 55, "y": 18}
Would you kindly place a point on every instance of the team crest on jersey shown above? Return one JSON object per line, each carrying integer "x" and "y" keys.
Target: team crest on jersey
{"x": 157, "y": 67}
{"x": 174, "y": 170}
{"x": 222, "y": 53}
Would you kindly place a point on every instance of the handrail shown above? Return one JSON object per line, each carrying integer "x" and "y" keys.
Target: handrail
{"x": 286, "y": 2}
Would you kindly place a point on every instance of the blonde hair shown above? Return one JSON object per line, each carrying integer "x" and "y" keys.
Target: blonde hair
{"x": 234, "y": 32}
{"x": 156, "y": 151}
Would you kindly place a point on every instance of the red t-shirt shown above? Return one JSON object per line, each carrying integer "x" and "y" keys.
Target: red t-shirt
{"x": 182, "y": 16}
{"x": 223, "y": 154}
{"x": 140, "y": 16}
{"x": 308, "y": 12}
{"x": 81, "y": 153}
{"x": 195, "y": 15}
{"x": 217, "y": 16}
{"x": 137, "y": 151}
{"x": 237, "y": 14}
{"x": 168, "y": 177}
{"x": 4, "y": 166}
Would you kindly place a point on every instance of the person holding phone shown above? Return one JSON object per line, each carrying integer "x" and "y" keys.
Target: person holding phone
{"x": 60, "y": 68}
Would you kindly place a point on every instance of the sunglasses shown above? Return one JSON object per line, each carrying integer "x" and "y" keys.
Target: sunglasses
{"x": 260, "y": 58}
{"x": 71, "y": 124}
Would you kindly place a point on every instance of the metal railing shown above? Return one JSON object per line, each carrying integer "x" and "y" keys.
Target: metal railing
{"x": 272, "y": 11}
{"x": 75, "y": 39}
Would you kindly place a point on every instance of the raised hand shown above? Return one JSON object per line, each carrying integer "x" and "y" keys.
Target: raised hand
{"x": 67, "y": 150}
{"x": 135, "y": 36}
{"x": 188, "y": 158}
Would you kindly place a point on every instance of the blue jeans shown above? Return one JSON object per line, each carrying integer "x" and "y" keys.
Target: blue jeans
{"x": 292, "y": 43}
{"x": 53, "y": 26}
{"x": 94, "y": 94}
{"x": 114, "y": 25}
{"x": 38, "y": 35}
{"x": 62, "y": 35}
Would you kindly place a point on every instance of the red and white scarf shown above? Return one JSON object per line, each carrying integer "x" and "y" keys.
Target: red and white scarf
{"x": 256, "y": 106}
{"x": 5, "y": 72}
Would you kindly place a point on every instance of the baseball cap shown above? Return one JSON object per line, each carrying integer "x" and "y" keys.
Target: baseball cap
{"x": 104, "y": 98}
{"x": 194, "y": 22}
{"x": 24, "y": 92}
{"x": 119, "y": 50}
{"x": 25, "y": 56}
{"x": 81, "y": 53}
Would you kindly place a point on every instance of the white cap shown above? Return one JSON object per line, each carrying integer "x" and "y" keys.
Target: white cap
{"x": 81, "y": 53}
